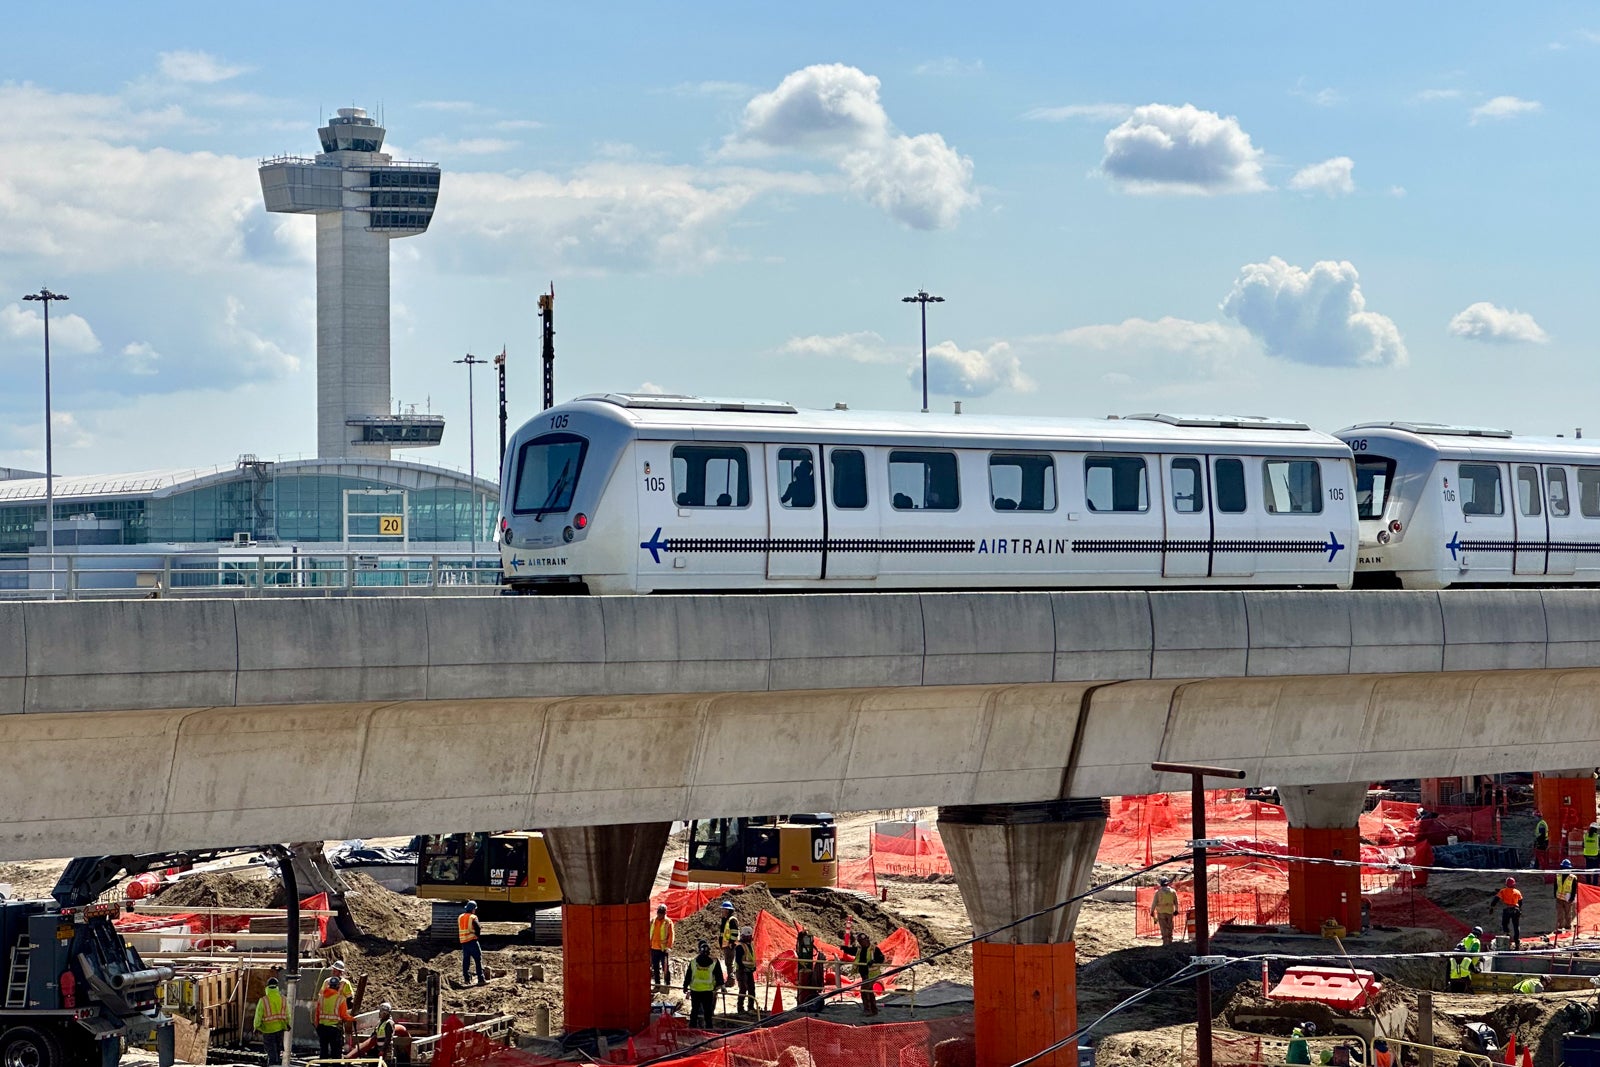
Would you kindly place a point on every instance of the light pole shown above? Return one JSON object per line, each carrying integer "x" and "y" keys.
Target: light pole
{"x": 472, "y": 457}
{"x": 44, "y": 296}
{"x": 924, "y": 299}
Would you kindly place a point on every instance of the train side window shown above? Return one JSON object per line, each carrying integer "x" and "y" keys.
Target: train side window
{"x": 1231, "y": 498}
{"x": 798, "y": 477}
{"x": 1560, "y": 501}
{"x": 1116, "y": 483}
{"x": 1589, "y": 492}
{"x": 1528, "y": 490}
{"x": 1480, "y": 489}
{"x": 849, "y": 479}
{"x": 1022, "y": 482}
{"x": 711, "y": 476}
{"x": 1188, "y": 495}
{"x": 1293, "y": 486}
{"x": 924, "y": 481}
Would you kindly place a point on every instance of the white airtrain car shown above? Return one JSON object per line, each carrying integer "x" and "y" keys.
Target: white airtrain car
{"x": 622, "y": 493}
{"x": 1447, "y": 506}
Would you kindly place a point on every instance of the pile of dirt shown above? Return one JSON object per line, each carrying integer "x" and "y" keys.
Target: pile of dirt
{"x": 826, "y": 913}
{"x": 399, "y": 974}
{"x": 220, "y": 889}
{"x": 382, "y": 914}
{"x": 32, "y": 880}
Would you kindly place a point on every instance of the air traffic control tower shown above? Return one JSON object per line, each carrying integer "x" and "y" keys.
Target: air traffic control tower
{"x": 362, "y": 198}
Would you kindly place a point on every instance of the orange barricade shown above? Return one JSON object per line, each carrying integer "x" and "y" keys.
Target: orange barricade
{"x": 860, "y": 875}
{"x": 681, "y": 902}
{"x": 775, "y": 950}
{"x": 916, "y": 852}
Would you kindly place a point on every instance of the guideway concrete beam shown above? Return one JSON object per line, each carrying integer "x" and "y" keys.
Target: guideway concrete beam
{"x": 1012, "y": 861}
{"x": 606, "y": 873}
{"x": 1324, "y": 823}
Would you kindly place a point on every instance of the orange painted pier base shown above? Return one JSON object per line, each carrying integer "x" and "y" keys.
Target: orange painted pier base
{"x": 1567, "y": 804}
{"x": 1026, "y": 999}
{"x": 605, "y": 966}
{"x": 1322, "y": 891}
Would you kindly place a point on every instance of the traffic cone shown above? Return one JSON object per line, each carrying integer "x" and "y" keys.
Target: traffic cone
{"x": 1511, "y": 1050}
{"x": 633, "y": 1056}
{"x": 777, "y": 1001}
{"x": 1527, "y": 1056}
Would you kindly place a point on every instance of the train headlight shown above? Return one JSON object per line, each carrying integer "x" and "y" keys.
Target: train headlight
{"x": 567, "y": 534}
{"x": 581, "y": 522}
{"x": 1383, "y": 537}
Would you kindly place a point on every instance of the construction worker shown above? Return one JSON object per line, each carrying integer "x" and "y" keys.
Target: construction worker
{"x": 341, "y": 972}
{"x": 1164, "y": 906}
{"x": 701, "y": 980}
{"x": 330, "y": 1010}
{"x": 1510, "y": 898}
{"x": 808, "y": 979}
{"x": 1566, "y": 898}
{"x": 744, "y": 962}
{"x": 868, "y": 962}
{"x": 272, "y": 1019}
{"x": 1591, "y": 846}
{"x": 727, "y": 938}
{"x": 1466, "y": 960}
{"x": 1299, "y": 1052}
{"x": 380, "y": 1042}
{"x": 1381, "y": 1056}
{"x": 662, "y": 932}
{"x": 1541, "y": 843}
{"x": 469, "y": 929}
{"x": 1529, "y": 985}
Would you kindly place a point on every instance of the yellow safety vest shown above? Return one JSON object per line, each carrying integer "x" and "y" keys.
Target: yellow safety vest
{"x": 868, "y": 960}
{"x": 745, "y": 957}
{"x": 464, "y": 928}
{"x": 1541, "y": 829}
{"x": 1166, "y": 901}
{"x": 661, "y": 934}
{"x": 1591, "y": 843}
{"x": 272, "y": 1016}
{"x": 325, "y": 1012}
{"x": 701, "y": 979}
{"x": 1565, "y": 884}
{"x": 1460, "y": 967}
{"x": 730, "y": 931}
{"x": 1526, "y": 985}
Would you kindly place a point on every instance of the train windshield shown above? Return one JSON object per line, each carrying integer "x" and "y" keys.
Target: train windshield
{"x": 1374, "y": 476}
{"x": 547, "y": 473}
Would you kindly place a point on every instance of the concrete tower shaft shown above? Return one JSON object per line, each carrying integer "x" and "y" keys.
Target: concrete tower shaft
{"x": 363, "y": 199}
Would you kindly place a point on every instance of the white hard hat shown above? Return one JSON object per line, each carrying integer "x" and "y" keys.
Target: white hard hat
{"x": 746, "y": 931}
{"x": 386, "y": 1006}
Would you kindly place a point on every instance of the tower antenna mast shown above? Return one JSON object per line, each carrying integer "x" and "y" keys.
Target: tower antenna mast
{"x": 547, "y": 312}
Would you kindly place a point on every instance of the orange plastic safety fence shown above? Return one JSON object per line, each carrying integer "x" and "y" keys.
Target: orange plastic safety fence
{"x": 1260, "y": 897}
{"x": 860, "y": 875}
{"x": 775, "y": 941}
{"x": 917, "y": 852}
{"x": 681, "y": 902}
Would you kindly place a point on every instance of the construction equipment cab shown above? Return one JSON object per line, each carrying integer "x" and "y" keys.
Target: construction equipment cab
{"x": 783, "y": 851}
{"x": 508, "y": 874}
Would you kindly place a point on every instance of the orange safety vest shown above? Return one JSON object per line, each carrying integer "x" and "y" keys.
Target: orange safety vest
{"x": 329, "y": 1010}
{"x": 661, "y": 934}
{"x": 464, "y": 927}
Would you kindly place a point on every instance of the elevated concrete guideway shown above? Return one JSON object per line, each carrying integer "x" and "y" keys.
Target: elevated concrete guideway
{"x": 145, "y": 725}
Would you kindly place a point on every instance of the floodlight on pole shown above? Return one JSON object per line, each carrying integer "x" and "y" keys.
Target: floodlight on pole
{"x": 472, "y": 362}
{"x": 924, "y": 299}
{"x": 44, "y": 296}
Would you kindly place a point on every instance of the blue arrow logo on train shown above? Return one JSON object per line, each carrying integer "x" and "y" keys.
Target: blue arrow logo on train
{"x": 657, "y": 545}
{"x": 516, "y": 563}
{"x": 1333, "y": 546}
{"x": 1454, "y": 544}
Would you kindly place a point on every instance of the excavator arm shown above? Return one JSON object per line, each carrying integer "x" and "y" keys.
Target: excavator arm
{"x": 86, "y": 877}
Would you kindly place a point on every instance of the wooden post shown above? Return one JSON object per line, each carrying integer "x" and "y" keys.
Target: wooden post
{"x": 1425, "y": 1028}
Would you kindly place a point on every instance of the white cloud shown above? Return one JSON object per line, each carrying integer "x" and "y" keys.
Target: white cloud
{"x": 1320, "y": 97}
{"x": 832, "y": 112}
{"x": 1206, "y": 345}
{"x": 949, "y": 67}
{"x": 1331, "y": 176}
{"x": 1430, "y": 95}
{"x": 198, "y": 67}
{"x": 265, "y": 359}
{"x": 1088, "y": 112}
{"x": 519, "y": 124}
{"x": 68, "y": 333}
{"x": 1165, "y": 149}
{"x": 68, "y": 432}
{"x": 1397, "y": 191}
{"x": 1317, "y": 316}
{"x": 650, "y": 389}
{"x": 140, "y": 358}
{"x": 1484, "y": 321}
{"x": 953, "y": 371}
{"x": 1504, "y": 107}
{"x": 465, "y": 146}
{"x": 865, "y": 346}
{"x": 445, "y": 105}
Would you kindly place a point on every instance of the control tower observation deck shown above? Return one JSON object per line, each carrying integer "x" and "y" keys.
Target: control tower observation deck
{"x": 362, "y": 198}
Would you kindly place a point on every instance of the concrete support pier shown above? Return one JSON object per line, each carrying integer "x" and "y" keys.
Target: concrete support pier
{"x": 1566, "y": 801}
{"x": 1013, "y": 860}
{"x": 1324, "y": 823}
{"x": 606, "y": 873}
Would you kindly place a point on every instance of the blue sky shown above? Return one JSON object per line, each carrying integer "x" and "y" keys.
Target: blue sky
{"x": 1338, "y": 215}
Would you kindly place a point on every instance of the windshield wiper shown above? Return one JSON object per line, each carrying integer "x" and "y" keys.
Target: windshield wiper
{"x": 555, "y": 494}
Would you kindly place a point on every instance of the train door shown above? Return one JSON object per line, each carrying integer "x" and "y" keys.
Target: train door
{"x": 1295, "y": 528}
{"x": 794, "y": 512}
{"x": 721, "y": 525}
{"x": 1562, "y": 520}
{"x": 1236, "y": 528}
{"x": 1532, "y": 530}
{"x": 853, "y": 503}
{"x": 1187, "y": 549}
{"x": 1122, "y": 529}
{"x": 1487, "y": 530}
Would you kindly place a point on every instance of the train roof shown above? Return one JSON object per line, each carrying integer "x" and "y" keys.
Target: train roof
{"x": 678, "y": 417}
{"x": 1478, "y": 442}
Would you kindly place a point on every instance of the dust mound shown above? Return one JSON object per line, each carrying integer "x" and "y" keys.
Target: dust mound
{"x": 222, "y": 890}
{"x": 381, "y": 913}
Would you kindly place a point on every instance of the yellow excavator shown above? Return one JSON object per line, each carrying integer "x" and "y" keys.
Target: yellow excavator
{"x": 511, "y": 877}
